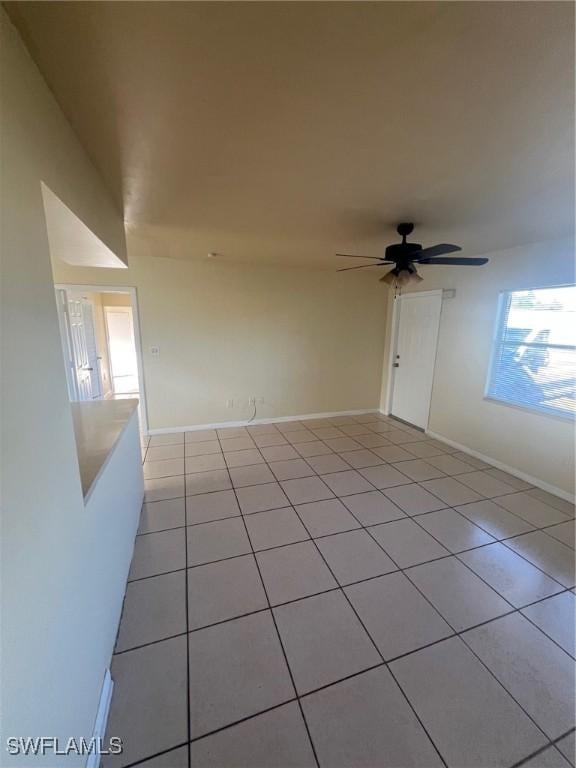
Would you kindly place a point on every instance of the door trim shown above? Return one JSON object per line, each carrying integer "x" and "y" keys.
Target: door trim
{"x": 132, "y": 290}
{"x": 394, "y": 328}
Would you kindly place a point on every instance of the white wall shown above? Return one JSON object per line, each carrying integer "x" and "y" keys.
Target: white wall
{"x": 306, "y": 341}
{"x": 53, "y": 652}
{"x": 539, "y": 445}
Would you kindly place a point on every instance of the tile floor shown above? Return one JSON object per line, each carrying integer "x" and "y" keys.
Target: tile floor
{"x": 343, "y": 592}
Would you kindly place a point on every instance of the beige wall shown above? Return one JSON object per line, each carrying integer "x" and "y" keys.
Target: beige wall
{"x": 53, "y": 655}
{"x": 304, "y": 341}
{"x": 218, "y": 326}
{"x": 539, "y": 445}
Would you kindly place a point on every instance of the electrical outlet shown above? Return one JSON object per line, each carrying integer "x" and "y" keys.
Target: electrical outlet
{"x": 230, "y": 403}
{"x": 251, "y": 401}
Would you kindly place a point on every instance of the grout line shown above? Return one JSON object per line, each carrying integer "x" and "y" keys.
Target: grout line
{"x": 537, "y": 753}
{"x": 275, "y": 627}
{"x": 157, "y": 754}
{"x": 463, "y": 632}
{"x": 368, "y": 529}
{"x": 342, "y": 588}
{"x": 186, "y": 607}
{"x": 358, "y": 617}
{"x": 335, "y": 589}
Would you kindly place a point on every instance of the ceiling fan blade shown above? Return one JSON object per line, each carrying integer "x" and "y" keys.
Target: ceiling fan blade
{"x": 436, "y": 250}
{"x": 362, "y": 266}
{"x": 354, "y": 256}
{"x": 458, "y": 260}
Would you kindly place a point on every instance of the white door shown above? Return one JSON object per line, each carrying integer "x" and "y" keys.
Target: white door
{"x": 66, "y": 336}
{"x": 92, "y": 357}
{"x": 122, "y": 349}
{"x": 418, "y": 321}
{"x": 80, "y": 354}
{"x": 79, "y": 345}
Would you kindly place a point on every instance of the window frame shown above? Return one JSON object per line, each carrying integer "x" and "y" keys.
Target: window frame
{"x": 497, "y": 335}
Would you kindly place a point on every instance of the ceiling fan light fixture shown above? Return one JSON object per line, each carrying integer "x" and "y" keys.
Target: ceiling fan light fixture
{"x": 408, "y": 277}
{"x": 399, "y": 278}
{"x": 390, "y": 277}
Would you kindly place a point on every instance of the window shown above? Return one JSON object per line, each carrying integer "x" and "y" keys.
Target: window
{"x": 534, "y": 355}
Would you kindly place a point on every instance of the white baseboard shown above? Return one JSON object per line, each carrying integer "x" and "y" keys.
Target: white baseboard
{"x": 273, "y": 420}
{"x": 101, "y": 719}
{"x": 505, "y": 467}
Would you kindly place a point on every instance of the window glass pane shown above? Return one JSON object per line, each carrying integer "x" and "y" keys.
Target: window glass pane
{"x": 534, "y": 362}
{"x": 545, "y": 316}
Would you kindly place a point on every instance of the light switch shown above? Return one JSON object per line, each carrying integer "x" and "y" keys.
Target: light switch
{"x": 155, "y": 351}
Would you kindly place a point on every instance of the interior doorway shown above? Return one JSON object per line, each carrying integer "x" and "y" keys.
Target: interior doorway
{"x": 122, "y": 359}
{"x": 101, "y": 342}
{"x": 413, "y": 355}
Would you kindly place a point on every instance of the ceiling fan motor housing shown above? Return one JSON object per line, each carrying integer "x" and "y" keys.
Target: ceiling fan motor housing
{"x": 401, "y": 251}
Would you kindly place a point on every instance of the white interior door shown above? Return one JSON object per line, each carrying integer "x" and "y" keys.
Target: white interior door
{"x": 122, "y": 349}
{"x": 80, "y": 354}
{"x": 92, "y": 357}
{"x": 76, "y": 318}
{"x": 418, "y": 321}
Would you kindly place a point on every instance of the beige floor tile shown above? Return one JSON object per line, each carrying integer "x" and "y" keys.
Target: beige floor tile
{"x": 294, "y": 572}
{"x": 156, "y": 553}
{"x": 451, "y": 491}
{"x": 462, "y": 598}
{"x": 357, "y": 721}
{"x": 396, "y": 615}
{"x": 154, "y": 609}
{"x": 406, "y": 543}
{"x": 224, "y": 590}
{"x": 216, "y": 541}
{"x": 530, "y": 508}
{"x": 148, "y": 709}
{"x": 237, "y": 670}
{"x": 275, "y": 738}
{"x": 541, "y": 679}
{"x": 556, "y": 617}
{"x": 275, "y": 528}
{"x": 548, "y": 554}
{"x": 323, "y": 640}
{"x": 354, "y": 556}
{"x": 161, "y": 515}
{"x": 258, "y": 498}
{"x": 495, "y": 520}
{"x": 205, "y": 507}
{"x": 372, "y": 508}
{"x": 323, "y": 518}
{"x": 510, "y": 575}
{"x": 453, "y": 530}
{"x": 472, "y": 720}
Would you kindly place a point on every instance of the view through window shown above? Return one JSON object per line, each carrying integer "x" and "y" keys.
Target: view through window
{"x": 534, "y": 355}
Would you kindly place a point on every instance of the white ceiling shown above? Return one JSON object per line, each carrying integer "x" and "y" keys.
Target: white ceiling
{"x": 283, "y": 132}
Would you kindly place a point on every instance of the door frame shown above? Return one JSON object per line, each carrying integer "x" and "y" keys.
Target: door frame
{"x": 132, "y": 290}
{"x": 106, "y": 310}
{"x": 395, "y": 327}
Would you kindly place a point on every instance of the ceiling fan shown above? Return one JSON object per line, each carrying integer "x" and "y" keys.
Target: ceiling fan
{"x": 406, "y": 256}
